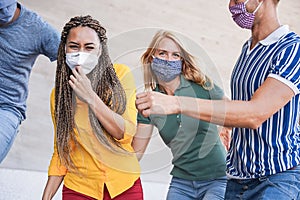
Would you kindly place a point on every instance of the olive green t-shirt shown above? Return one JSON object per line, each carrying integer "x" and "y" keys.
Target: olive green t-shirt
{"x": 198, "y": 153}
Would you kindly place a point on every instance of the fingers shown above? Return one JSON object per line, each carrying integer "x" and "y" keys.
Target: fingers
{"x": 77, "y": 76}
{"x": 143, "y": 103}
{"x": 142, "y": 95}
{"x": 146, "y": 112}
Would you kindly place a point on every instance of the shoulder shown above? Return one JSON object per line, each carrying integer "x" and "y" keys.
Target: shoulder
{"x": 287, "y": 48}
{"x": 29, "y": 16}
{"x": 33, "y": 20}
{"x": 290, "y": 39}
{"x": 121, "y": 70}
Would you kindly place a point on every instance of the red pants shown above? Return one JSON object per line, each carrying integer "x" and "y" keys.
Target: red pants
{"x": 133, "y": 193}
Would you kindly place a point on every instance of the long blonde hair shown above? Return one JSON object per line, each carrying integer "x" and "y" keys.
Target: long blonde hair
{"x": 190, "y": 70}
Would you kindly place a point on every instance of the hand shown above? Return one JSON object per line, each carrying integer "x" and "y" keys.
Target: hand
{"x": 149, "y": 103}
{"x": 225, "y": 136}
{"x": 81, "y": 85}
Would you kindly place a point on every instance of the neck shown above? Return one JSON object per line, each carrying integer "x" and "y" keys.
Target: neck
{"x": 170, "y": 87}
{"x": 268, "y": 22}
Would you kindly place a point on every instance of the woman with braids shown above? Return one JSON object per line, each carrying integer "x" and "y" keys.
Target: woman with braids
{"x": 198, "y": 153}
{"x": 94, "y": 119}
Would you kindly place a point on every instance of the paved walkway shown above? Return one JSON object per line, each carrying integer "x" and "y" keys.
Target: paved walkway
{"x": 29, "y": 185}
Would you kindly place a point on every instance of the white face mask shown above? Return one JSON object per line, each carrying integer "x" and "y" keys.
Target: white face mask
{"x": 87, "y": 61}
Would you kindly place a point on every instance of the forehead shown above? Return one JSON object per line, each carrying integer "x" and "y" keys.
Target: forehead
{"x": 168, "y": 45}
{"x": 83, "y": 34}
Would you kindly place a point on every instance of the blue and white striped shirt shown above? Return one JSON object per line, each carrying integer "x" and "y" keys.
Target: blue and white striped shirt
{"x": 275, "y": 146}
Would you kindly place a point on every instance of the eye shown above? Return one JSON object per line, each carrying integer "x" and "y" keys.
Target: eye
{"x": 73, "y": 47}
{"x": 162, "y": 53}
{"x": 90, "y": 48}
{"x": 177, "y": 55}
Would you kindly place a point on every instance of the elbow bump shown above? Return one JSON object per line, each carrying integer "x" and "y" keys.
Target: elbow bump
{"x": 255, "y": 123}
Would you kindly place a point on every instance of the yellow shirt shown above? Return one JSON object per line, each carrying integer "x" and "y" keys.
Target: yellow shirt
{"x": 97, "y": 165}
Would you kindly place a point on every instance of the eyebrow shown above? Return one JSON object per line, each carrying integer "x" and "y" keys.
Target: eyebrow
{"x": 90, "y": 43}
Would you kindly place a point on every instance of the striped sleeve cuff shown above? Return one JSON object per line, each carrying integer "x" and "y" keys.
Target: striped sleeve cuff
{"x": 285, "y": 81}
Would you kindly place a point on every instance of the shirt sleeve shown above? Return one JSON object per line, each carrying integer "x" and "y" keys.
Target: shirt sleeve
{"x": 55, "y": 167}
{"x": 127, "y": 81}
{"x": 143, "y": 120}
{"x": 286, "y": 66}
{"x": 50, "y": 42}
{"x": 216, "y": 93}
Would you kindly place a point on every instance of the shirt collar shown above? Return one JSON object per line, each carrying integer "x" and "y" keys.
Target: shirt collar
{"x": 276, "y": 35}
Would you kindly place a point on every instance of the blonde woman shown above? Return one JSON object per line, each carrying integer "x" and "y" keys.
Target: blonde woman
{"x": 198, "y": 153}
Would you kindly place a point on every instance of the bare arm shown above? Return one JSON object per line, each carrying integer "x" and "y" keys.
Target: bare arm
{"x": 52, "y": 186}
{"x": 111, "y": 121}
{"x": 141, "y": 139}
{"x": 268, "y": 99}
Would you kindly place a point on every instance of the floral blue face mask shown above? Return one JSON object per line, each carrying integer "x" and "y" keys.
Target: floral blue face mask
{"x": 166, "y": 70}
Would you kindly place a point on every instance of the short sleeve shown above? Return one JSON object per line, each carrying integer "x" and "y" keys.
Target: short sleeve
{"x": 216, "y": 93}
{"x": 285, "y": 66}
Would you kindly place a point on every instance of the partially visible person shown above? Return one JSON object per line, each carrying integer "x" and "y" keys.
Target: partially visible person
{"x": 94, "y": 119}
{"x": 264, "y": 156}
{"x": 23, "y": 37}
{"x": 198, "y": 153}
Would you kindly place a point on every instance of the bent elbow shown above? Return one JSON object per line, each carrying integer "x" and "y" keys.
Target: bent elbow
{"x": 255, "y": 122}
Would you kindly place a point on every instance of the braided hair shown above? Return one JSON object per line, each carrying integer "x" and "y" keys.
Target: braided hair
{"x": 104, "y": 82}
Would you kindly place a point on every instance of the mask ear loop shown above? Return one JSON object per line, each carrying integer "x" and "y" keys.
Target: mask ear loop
{"x": 246, "y": 2}
{"x": 258, "y": 7}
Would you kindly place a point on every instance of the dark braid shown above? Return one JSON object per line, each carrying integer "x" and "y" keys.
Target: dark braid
{"x": 104, "y": 82}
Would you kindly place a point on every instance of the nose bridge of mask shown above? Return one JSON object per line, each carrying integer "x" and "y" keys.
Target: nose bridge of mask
{"x": 83, "y": 57}
{"x": 163, "y": 62}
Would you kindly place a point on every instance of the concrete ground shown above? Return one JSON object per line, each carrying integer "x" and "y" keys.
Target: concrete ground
{"x": 207, "y": 31}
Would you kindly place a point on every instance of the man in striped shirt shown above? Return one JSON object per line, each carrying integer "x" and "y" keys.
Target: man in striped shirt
{"x": 264, "y": 155}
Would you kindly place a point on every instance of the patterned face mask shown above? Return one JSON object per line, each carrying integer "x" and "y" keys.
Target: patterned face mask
{"x": 166, "y": 70}
{"x": 87, "y": 61}
{"x": 241, "y": 16}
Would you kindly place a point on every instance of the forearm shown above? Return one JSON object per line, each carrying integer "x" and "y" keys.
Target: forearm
{"x": 226, "y": 113}
{"x": 113, "y": 123}
{"x": 52, "y": 186}
{"x": 245, "y": 114}
{"x": 141, "y": 139}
